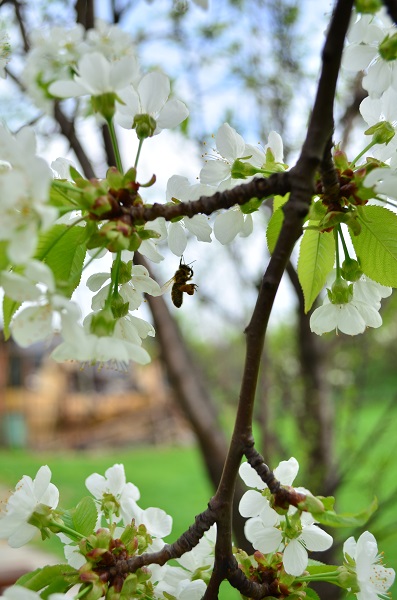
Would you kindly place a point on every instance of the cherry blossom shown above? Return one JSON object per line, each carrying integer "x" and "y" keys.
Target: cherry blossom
{"x": 29, "y": 496}
{"x": 150, "y": 98}
{"x": 373, "y": 578}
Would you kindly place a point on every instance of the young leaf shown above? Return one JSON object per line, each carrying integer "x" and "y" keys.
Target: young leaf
{"x": 273, "y": 229}
{"x": 9, "y": 309}
{"x": 41, "y": 578}
{"x": 63, "y": 249}
{"x": 4, "y": 262}
{"x": 332, "y": 519}
{"x": 316, "y": 260}
{"x": 376, "y": 245}
{"x": 310, "y": 593}
{"x": 85, "y": 516}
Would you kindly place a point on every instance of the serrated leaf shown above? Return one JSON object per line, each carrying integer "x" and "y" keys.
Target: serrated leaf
{"x": 376, "y": 245}
{"x": 9, "y": 309}
{"x": 332, "y": 519}
{"x": 63, "y": 249}
{"x": 310, "y": 593}
{"x": 85, "y": 516}
{"x": 279, "y": 201}
{"x": 41, "y": 578}
{"x": 274, "y": 228}
{"x": 316, "y": 261}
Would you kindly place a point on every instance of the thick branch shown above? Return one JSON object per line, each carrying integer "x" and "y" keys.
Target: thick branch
{"x": 278, "y": 183}
{"x": 391, "y": 6}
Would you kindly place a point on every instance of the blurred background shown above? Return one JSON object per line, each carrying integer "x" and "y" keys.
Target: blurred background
{"x": 330, "y": 402}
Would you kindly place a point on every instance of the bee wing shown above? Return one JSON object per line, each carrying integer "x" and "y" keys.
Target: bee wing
{"x": 167, "y": 286}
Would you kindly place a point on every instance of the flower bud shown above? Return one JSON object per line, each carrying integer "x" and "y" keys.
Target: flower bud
{"x": 340, "y": 159}
{"x": 119, "y": 307}
{"x": 311, "y": 504}
{"x": 114, "y": 178}
{"x": 351, "y": 270}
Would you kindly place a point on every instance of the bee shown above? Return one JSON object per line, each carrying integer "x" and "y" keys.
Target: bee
{"x": 180, "y": 284}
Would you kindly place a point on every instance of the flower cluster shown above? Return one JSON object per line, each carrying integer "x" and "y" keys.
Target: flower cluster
{"x": 294, "y": 533}
{"x": 109, "y": 528}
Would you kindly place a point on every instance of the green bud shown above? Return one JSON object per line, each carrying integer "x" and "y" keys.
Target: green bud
{"x": 388, "y": 48}
{"x": 340, "y": 160}
{"x": 103, "y": 323}
{"x": 383, "y": 132}
{"x": 130, "y": 176}
{"x": 114, "y": 178}
{"x": 134, "y": 242}
{"x": 119, "y": 307}
{"x": 125, "y": 271}
{"x": 341, "y": 292}
{"x": 104, "y": 104}
{"x": 311, "y": 504}
{"x": 368, "y": 6}
{"x": 351, "y": 270}
{"x": 347, "y": 579}
{"x": 144, "y": 125}
{"x": 242, "y": 170}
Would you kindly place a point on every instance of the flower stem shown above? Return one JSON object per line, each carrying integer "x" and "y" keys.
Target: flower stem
{"x": 68, "y": 530}
{"x": 115, "y": 145}
{"x": 345, "y": 250}
{"x": 138, "y": 153}
{"x": 353, "y": 163}
{"x": 336, "y": 237}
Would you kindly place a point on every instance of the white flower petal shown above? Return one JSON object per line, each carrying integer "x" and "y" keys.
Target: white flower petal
{"x": 251, "y": 477}
{"x": 295, "y": 558}
{"x": 316, "y": 539}
{"x": 227, "y": 225}
{"x": 286, "y": 471}
{"x": 251, "y": 504}
{"x": 153, "y": 89}
{"x": 177, "y": 241}
{"x": 172, "y": 114}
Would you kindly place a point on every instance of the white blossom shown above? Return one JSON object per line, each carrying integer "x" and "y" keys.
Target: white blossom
{"x": 114, "y": 484}
{"x": 373, "y": 578}
{"x": 96, "y": 76}
{"x": 253, "y": 501}
{"x": 362, "y": 53}
{"x": 266, "y": 535}
{"x": 151, "y": 98}
{"x": 29, "y": 495}
{"x": 180, "y": 189}
{"x": 24, "y": 190}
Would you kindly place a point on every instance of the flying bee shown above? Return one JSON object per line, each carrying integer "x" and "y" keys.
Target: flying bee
{"x": 180, "y": 284}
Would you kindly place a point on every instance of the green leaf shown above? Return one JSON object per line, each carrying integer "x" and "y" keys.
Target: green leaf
{"x": 274, "y": 228}
{"x": 63, "y": 249}
{"x": 9, "y": 309}
{"x": 316, "y": 260}
{"x": 4, "y": 262}
{"x": 85, "y": 516}
{"x": 310, "y": 593}
{"x": 251, "y": 206}
{"x": 332, "y": 519}
{"x": 279, "y": 201}
{"x": 41, "y": 578}
{"x": 376, "y": 245}
{"x": 320, "y": 568}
